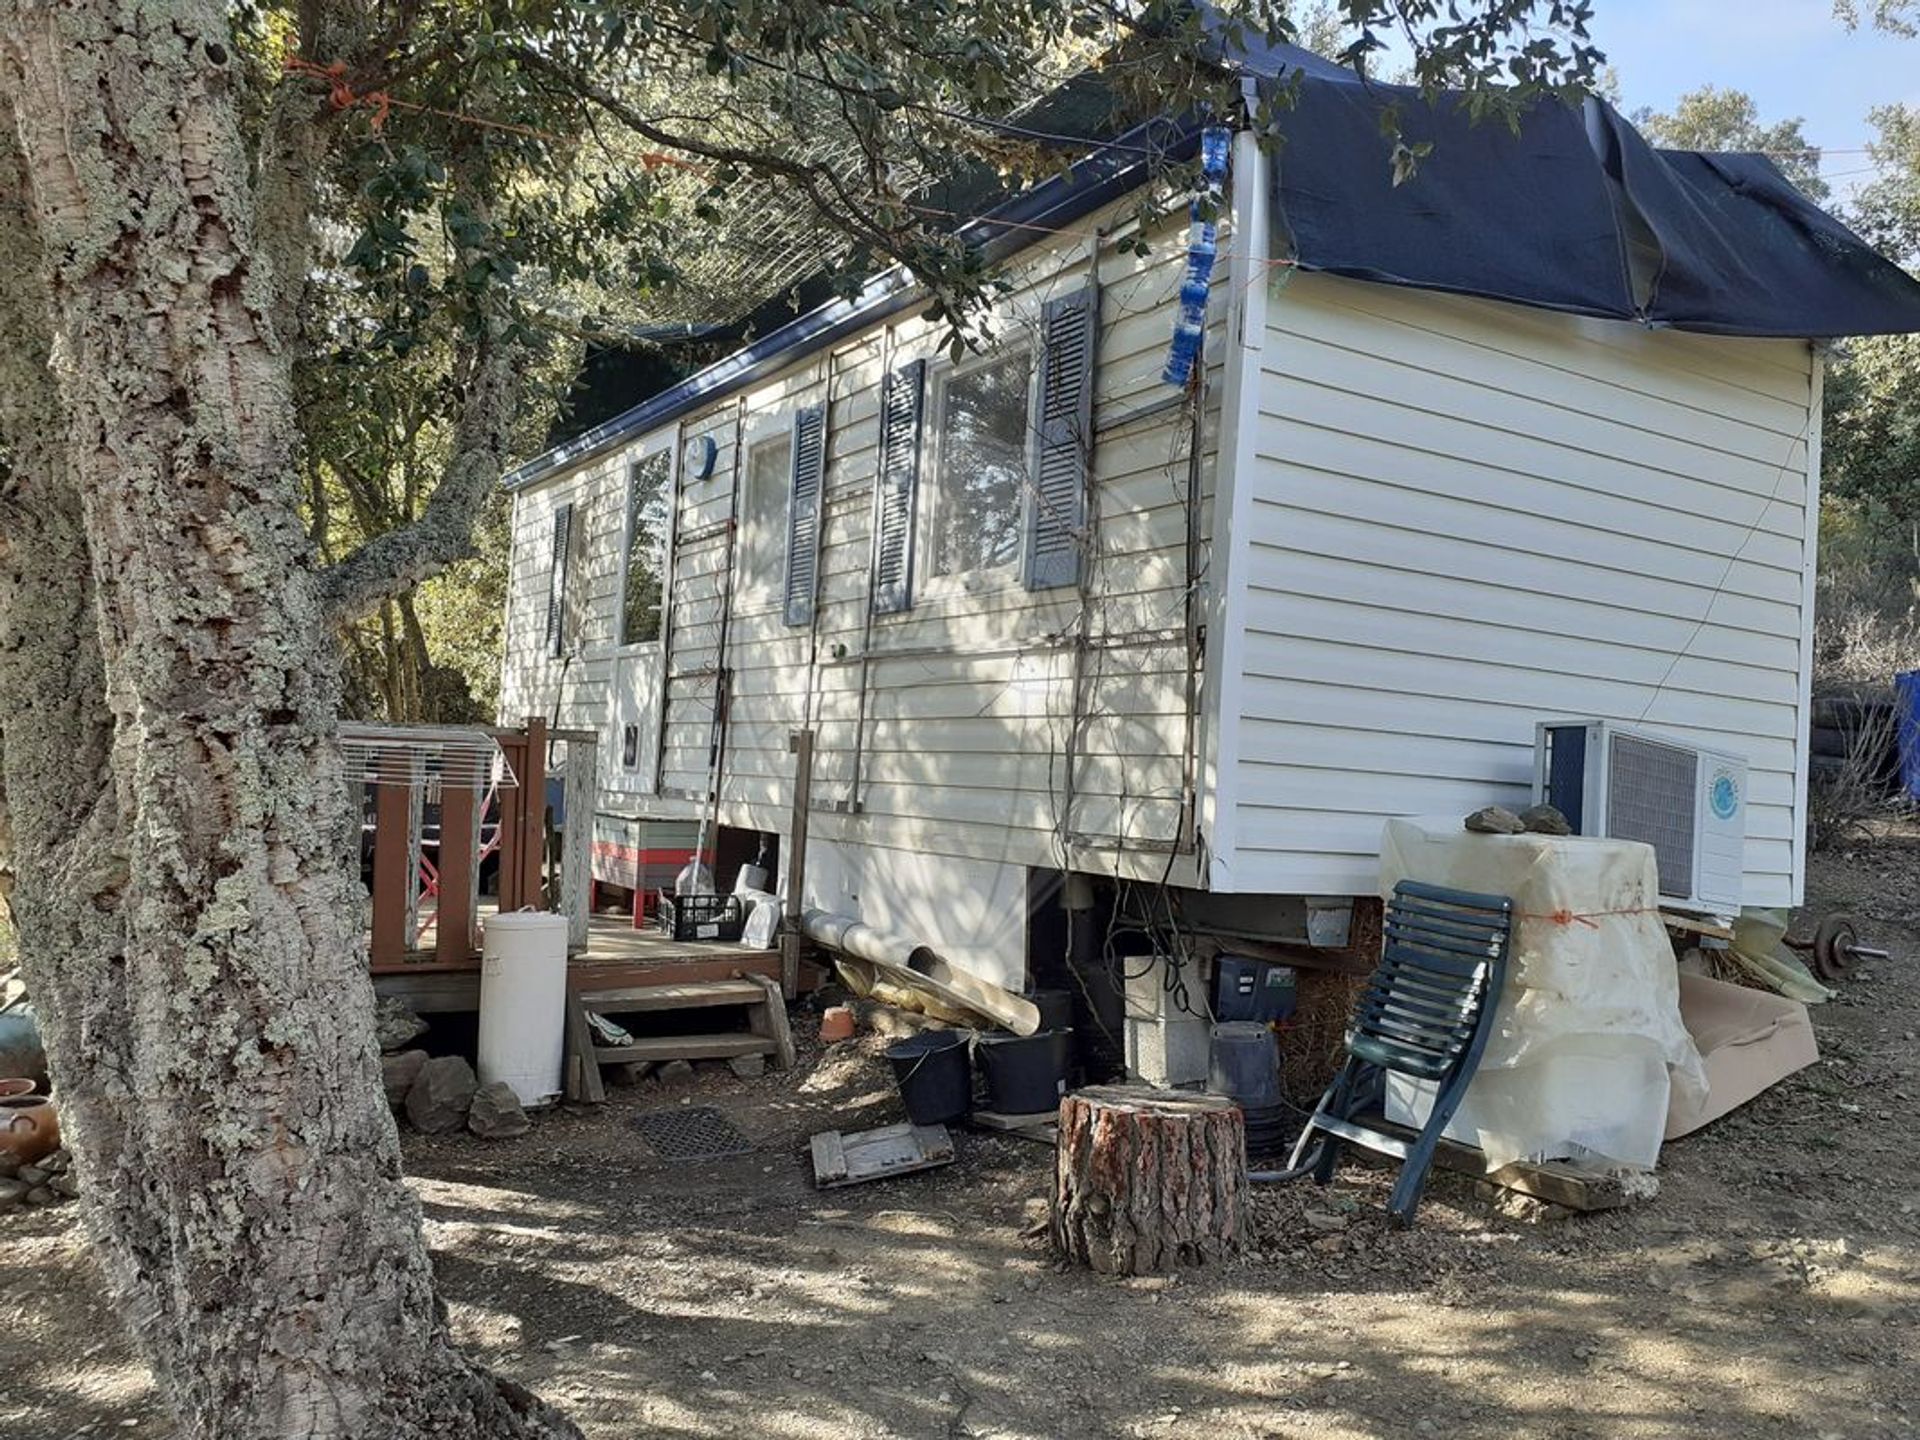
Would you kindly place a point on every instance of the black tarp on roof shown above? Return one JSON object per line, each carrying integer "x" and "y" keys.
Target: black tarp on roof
{"x": 1574, "y": 212}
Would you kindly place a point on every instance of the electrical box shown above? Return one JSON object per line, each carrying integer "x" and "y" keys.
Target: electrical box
{"x": 1247, "y": 989}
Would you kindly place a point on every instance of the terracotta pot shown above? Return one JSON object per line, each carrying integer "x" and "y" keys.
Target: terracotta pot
{"x": 29, "y": 1127}
{"x": 836, "y": 1024}
{"x": 10, "y": 1088}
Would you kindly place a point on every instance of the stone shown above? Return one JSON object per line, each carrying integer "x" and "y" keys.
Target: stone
{"x": 57, "y": 1163}
{"x": 64, "y": 1185}
{"x": 398, "y": 1072}
{"x": 748, "y": 1067}
{"x": 1324, "y": 1223}
{"x": 394, "y": 1024}
{"x": 9, "y": 1165}
{"x": 675, "y": 1073}
{"x": 42, "y": 1195}
{"x": 1545, "y": 820}
{"x": 441, "y": 1094}
{"x": 31, "y": 1175}
{"x": 12, "y": 1192}
{"x": 496, "y": 1113}
{"x": 1494, "y": 820}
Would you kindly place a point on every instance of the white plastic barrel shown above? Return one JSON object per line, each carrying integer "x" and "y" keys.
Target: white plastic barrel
{"x": 523, "y": 1003}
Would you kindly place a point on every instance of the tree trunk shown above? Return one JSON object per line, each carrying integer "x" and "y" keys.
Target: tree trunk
{"x": 187, "y": 911}
{"x": 1148, "y": 1180}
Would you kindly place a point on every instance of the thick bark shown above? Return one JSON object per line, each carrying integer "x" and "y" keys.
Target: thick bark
{"x": 1149, "y": 1180}
{"x": 61, "y": 859}
{"x": 186, "y": 908}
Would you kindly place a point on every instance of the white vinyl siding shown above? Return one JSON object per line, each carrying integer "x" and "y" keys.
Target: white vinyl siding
{"x": 1448, "y": 520}
{"x": 1466, "y": 517}
{"x": 970, "y": 691}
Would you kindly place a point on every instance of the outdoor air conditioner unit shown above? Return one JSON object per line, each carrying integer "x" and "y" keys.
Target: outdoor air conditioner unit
{"x": 1689, "y": 804}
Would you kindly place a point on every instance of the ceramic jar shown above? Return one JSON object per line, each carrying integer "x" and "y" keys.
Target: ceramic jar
{"x": 29, "y": 1124}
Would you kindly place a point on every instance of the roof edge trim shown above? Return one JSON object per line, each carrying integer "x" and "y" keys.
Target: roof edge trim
{"x": 1090, "y": 183}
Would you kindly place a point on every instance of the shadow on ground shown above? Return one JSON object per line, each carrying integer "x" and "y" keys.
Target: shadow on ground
{"x": 1773, "y": 1288}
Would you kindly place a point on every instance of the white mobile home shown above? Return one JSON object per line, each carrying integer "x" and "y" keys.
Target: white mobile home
{"x": 1046, "y": 614}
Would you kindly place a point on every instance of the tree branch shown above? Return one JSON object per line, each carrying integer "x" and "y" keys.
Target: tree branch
{"x": 852, "y": 212}
{"x": 391, "y": 564}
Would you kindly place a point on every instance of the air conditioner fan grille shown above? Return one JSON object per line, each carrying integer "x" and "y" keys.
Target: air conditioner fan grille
{"x": 1651, "y": 799}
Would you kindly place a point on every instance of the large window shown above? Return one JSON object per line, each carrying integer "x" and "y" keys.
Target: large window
{"x": 649, "y": 502}
{"x": 982, "y": 446}
{"x": 763, "y": 513}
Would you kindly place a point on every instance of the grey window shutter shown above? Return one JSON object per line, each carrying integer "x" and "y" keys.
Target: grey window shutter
{"x": 557, "y": 580}
{"x": 897, "y": 488}
{"x": 1056, "y": 517}
{"x": 803, "y": 513}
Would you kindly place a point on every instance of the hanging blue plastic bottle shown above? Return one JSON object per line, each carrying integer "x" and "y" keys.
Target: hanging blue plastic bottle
{"x": 1203, "y": 248}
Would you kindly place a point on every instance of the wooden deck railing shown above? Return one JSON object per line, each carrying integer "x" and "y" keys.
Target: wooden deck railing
{"x": 409, "y": 870}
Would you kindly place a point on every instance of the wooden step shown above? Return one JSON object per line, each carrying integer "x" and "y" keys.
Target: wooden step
{"x": 690, "y": 995}
{"x": 759, "y": 995}
{"x": 685, "y": 1047}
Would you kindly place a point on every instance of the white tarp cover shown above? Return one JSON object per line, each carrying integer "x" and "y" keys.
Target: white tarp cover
{"x": 1588, "y": 1044}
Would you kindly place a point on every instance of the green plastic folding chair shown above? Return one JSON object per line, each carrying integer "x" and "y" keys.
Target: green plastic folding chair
{"x": 1426, "y": 1014}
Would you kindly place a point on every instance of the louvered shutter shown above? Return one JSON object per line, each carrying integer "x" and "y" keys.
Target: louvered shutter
{"x": 1056, "y": 517}
{"x": 557, "y": 580}
{"x": 803, "y": 513}
{"x": 896, "y": 491}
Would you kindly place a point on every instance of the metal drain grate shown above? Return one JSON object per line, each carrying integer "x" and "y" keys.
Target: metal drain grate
{"x": 692, "y": 1132}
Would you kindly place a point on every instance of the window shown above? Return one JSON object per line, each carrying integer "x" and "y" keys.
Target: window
{"x": 649, "y": 504}
{"x": 763, "y": 513}
{"x": 981, "y": 464}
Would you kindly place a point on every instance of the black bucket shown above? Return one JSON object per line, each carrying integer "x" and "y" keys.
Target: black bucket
{"x": 1243, "y": 1063}
{"x": 1024, "y": 1074}
{"x": 931, "y": 1070}
{"x": 1055, "y": 1007}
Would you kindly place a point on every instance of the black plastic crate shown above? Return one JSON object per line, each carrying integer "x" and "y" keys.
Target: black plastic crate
{"x": 702, "y": 917}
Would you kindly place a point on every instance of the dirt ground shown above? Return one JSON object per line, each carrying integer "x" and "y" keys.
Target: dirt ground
{"x": 1772, "y": 1288}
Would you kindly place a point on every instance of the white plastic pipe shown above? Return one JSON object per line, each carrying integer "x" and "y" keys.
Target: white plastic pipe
{"x": 914, "y": 963}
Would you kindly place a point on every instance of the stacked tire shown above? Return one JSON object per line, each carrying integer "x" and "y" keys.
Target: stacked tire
{"x": 1854, "y": 737}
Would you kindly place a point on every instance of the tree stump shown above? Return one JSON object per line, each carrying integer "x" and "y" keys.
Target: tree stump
{"x": 1148, "y": 1180}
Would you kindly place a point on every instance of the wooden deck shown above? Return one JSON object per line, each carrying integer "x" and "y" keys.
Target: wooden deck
{"x": 617, "y": 957}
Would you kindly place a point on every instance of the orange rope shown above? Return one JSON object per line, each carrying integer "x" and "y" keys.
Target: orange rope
{"x": 1582, "y": 917}
{"x": 344, "y": 97}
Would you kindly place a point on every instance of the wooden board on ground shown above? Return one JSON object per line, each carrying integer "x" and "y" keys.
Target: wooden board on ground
{"x": 1696, "y": 925}
{"x": 1558, "y": 1182}
{"x": 850, "y": 1158}
{"x": 1041, "y": 1125}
